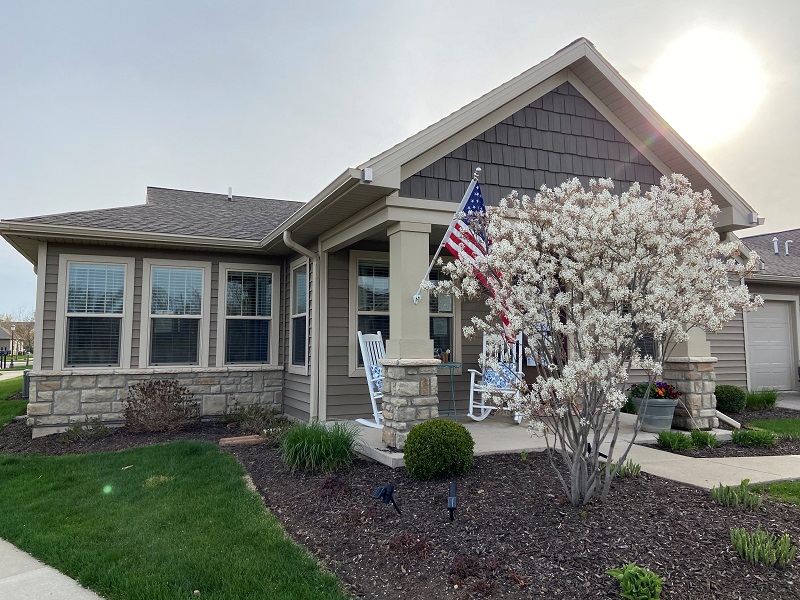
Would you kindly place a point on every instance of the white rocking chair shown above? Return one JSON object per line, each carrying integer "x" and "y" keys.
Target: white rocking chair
{"x": 488, "y": 380}
{"x": 372, "y": 351}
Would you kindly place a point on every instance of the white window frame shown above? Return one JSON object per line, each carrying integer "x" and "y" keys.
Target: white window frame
{"x": 222, "y": 309}
{"x": 294, "y": 265}
{"x": 353, "y": 369}
{"x": 126, "y": 328}
{"x": 146, "y": 314}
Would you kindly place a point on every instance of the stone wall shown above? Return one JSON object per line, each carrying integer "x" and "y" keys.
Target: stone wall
{"x": 696, "y": 380}
{"x": 60, "y": 398}
{"x": 410, "y": 396}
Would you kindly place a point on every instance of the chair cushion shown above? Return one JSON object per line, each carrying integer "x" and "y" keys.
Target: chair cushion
{"x": 377, "y": 377}
{"x": 502, "y": 380}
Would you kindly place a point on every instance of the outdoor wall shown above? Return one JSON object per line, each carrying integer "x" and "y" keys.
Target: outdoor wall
{"x": 727, "y": 345}
{"x": 60, "y": 398}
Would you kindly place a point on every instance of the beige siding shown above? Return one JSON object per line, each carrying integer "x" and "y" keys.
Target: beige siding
{"x": 727, "y": 346}
{"x": 297, "y": 387}
{"x": 51, "y": 286}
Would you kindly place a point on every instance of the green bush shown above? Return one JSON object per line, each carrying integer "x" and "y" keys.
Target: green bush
{"x": 627, "y": 469}
{"x": 160, "y": 405}
{"x": 315, "y": 447}
{"x": 736, "y": 497}
{"x": 438, "y": 448}
{"x": 637, "y": 583}
{"x": 89, "y": 429}
{"x": 760, "y": 547}
{"x": 753, "y": 437}
{"x": 674, "y": 440}
{"x": 704, "y": 439}
{"x": 260, "y": 420}
{"x": 730, "y": 399}
{"x": 761, "y": 399}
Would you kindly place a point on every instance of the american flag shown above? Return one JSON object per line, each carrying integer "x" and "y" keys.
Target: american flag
{"x": 462, "y": 238}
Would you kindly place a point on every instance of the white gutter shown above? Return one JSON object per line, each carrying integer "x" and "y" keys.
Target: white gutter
{"x": 313, "y": 409}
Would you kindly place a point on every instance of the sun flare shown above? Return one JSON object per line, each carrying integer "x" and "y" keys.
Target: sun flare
{"x": 707, "y": 85}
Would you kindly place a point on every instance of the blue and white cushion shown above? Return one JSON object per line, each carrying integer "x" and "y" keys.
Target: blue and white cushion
{"x": 377, "y": 377}
{"x": 501, "y": 380}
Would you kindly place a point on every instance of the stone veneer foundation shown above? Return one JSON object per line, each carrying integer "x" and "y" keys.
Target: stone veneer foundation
{"x": 61, "y": 398}
{"x": 696, "y": 380}
{"x": 410, "y": 396}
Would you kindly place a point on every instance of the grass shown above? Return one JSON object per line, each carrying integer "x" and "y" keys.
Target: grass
{"x": 761, "y": 399}
{"x": 10, "y": 408}
{"x": 785, "y": 491}
{"x": 155, "y": 523}
{"x": 317, "y": 447}
{"x": 790, "y": 427}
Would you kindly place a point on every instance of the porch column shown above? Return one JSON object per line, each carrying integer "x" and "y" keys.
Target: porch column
{"x": 691, "y": 369}
{"x": 410, "y": 386}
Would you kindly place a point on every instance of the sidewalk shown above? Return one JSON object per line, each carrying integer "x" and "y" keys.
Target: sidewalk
{"x": 22, "y": 577}
{"x": 10, "y": 374}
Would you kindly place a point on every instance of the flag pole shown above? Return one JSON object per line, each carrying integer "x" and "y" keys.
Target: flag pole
{"x": 460, "y": 209}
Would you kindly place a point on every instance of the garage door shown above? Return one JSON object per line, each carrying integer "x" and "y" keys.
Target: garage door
{"x": 770, "y": 353}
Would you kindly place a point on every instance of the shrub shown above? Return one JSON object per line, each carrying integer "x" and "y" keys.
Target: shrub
{"x": 262, "y": 420}
{"x": 674, "y": 440}
{"x": 438, "y": 448}
{"x": 704, "y": 439}
{"x": 637, "y": 583}
{"x": 753, "y": 437}
{"x": 736, "y": 497}
{"x": 761, "y": 399}
{"x": 730, "y": 399}
{"x": 627, "y": 469}
{"x": 160, "y": 405}
{"x": 79, "y": 432}
{"x": 316, "y": 447}
{"x": 760, "y": 547}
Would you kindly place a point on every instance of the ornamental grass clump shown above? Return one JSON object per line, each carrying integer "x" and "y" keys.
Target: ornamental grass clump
{"x": 316, "y": 447}
{"x": 753, "y": 438}
{"x": 736, "y": 497}
{"x": 760, "y": 547}
{"x": 628, "y": 469}
{"x": 590, "y": 278}
{"x": 438, "y": 448}
{"x": 761, "y": 399}
{"x": 704, "y": 439}
{"x": 674, "y": 440}
{"x": 637, "y": 583}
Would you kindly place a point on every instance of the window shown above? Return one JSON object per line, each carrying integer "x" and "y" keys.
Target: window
{"x": 93, "y": 318}
{"x": 248, "y": 316}
{"x": 299, "y": 315}
{"x": 95, "y": 301}
{"x": 441, "y": 322}
{"x": 175, "y": 299}
{"x": 372, "y": 305}
{"x": 369, "y": 312}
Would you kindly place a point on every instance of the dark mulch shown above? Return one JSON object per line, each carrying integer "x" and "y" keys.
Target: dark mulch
{"x": 513, "y": 535}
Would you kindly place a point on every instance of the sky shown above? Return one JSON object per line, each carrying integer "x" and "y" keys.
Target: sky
{"x": 100, "y": 99}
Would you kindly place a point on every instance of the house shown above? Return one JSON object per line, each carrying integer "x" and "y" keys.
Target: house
{"x": 8, "y": 342}
{"x": 255, "y": 300}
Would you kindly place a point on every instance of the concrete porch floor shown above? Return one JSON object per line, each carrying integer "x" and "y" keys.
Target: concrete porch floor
{"x": 498, "y": 434}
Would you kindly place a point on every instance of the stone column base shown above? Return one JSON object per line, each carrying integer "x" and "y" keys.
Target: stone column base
{"x": 694, "y": 377}
{"x": 410, "y": 396}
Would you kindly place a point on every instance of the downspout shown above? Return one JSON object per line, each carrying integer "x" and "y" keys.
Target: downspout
{"x": 313, "y": 409}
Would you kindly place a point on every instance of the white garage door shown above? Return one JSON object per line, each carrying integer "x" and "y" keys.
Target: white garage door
{"x": 770, "y": 353}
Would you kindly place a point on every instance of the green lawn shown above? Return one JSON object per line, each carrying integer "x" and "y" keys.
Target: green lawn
{"x": 787, "y": 491}
{"x": 779, "y": 426}
{"x": 155, "y": 523}
{"x": 10, "y": 408}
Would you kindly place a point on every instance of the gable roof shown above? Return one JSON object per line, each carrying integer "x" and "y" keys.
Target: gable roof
{"x": 777, "y": 265}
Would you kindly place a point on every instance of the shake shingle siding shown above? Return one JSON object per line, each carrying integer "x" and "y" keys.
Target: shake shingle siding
{"x": 555, "y": 138}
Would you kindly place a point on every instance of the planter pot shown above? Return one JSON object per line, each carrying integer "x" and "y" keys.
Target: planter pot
{"x": 658, "y": 414}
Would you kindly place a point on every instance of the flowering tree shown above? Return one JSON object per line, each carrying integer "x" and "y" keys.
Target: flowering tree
{"x": 585, "y": 275}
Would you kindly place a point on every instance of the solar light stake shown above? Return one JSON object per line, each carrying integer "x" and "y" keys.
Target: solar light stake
{"x": 385, "y": 494}
{"x": 451, "y": 500}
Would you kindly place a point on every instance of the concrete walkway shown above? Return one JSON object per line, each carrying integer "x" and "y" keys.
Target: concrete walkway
{"x": 22, "y": 577}
{"x": 10, "y": 374}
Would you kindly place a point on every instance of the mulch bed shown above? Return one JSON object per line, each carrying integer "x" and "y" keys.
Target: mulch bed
{"x": 513, "y": 536}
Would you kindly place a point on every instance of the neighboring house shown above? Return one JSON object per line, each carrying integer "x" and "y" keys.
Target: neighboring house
{"x": 255, "y": 300}
{"x": 9, "y": 342}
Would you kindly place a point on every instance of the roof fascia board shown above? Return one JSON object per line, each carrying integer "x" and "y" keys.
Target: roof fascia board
{"x": 21, "y": 250}
{"x": 406, "y": 151}
{"x": 666, "y": 130}
{"x": 337, "y": 188}
{"x": 119, "y": 235}
{"x": 365, "y": 227}
{"x": 464, "y": 131}
{"x": 756, "y": 278}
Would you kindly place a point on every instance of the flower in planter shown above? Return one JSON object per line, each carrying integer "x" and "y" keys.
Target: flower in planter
{"x": 659, "y": 390}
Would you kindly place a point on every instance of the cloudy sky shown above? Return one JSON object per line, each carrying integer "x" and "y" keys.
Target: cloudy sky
{"x": 100, "y": 99}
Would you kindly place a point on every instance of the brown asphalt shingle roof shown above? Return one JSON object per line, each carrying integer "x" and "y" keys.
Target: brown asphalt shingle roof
{"x": 777, "y": 264}
{"x": 184, "y": 213}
